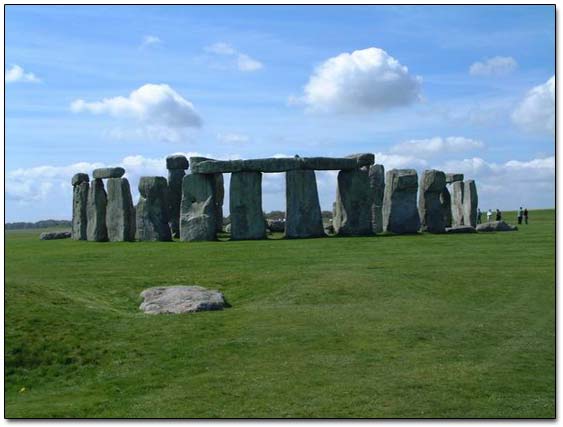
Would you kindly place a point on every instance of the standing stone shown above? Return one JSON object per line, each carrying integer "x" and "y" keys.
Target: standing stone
{"x": 103, "y": 173}
{"x": 353, "y": 204}
{"x": 432, "y": 185}
{"x": 219, "y": 196}
{"x": 152, "y": 210}
{"x": 457, "y": 203}
{"x": 245, "y": 199}
{"x": 176, "y": 166}
{"x": 400, "y": 214}
{"x": 120, "y": 216}
{"x": 96, "y": 229}
{"x": 446, "y": 202}
{"x": 470, "y": 202}
{"x": 453, "y": 177}
{"x": 377, "y": 185}
{"x": 198, "y": 209}
{"x": 80, "y": 187}
{"x": 303, "y": 211}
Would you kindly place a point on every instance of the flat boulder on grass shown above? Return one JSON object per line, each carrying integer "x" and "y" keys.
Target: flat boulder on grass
{"x": 181, "y": 299}
{"x": 496, "y": 226}
{"x": 54, "y": 235}
{"x": 461, "y": 229}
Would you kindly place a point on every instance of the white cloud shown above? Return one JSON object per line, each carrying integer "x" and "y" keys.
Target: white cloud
{"x": 232, "y": 138}
{"x": 150, "y": 40}
{"x": 364, "y": 80}
{"x": 398, "y": 161}
{"x": 437, "y": 145}
{"x": 536, "y": 112}
{"x": 497, "y": 66}
{"x": 18, "y": 74}
{"x": 243, "y": 61}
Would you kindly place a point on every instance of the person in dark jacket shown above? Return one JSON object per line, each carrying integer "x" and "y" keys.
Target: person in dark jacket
{"x": 526, "y": 216}
{"x": 499, "y": 216}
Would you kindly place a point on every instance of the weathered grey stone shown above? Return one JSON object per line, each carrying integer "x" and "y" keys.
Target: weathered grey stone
{"x": 461, "y": 229}
{"x": 198, "y": 211}
{"x": 453, "y": 177}
{"x": 353, "y": 204}
{"x": 219, "y": 196}
{"x": 245, "y": 196}
{"x": 177, "y": 161}
{"x": 457, "y": 203}
{"x": 96, "y": 229}
{"x": 470, "y": 202}
{"x": 446, "y": 202}
{"x": 228, "y": 228}
{"x": 377, "y": 185}
{"x": 303, "y": 211}
{"x": 181, "y": 299}
{"x": 496, "y": 226}
{"x": 55, "y": 235}
{"x": 79, "y": 178}
{"x": 400, "y": 214}
{"x": 80, "y": 210}
{"x": 120, "y": 212}
{"x": 175, "y": 177}
{"x": 152, "y": 214}
{"x": 432, "y": 184}
{"x": 276, "y": 225}
{"x": 210, "y": 166}
{"x": 103, "y": 173}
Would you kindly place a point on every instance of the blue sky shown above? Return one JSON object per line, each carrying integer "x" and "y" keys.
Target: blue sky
{"x": 457, "y": 88}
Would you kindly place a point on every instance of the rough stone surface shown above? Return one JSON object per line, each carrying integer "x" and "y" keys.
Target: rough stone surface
{"x": 80, "y": 178}
{"x": 353, "y": 204}
{"x": 470, "y": 202}
{"x": 96, "y": 229}
{"x": 228, "y": 228}
{"x": 453, "y": 177}
{"x": 303, "y": 211}
{"x": 80, "y": 210}
{"x": 103, "y": 173}
{"x": 245, "y": 200}
{"x": 400, "y": 213}
{"x": 198, "y": 211}
{"x": 276, "y": 225}
{"x": 457, "y": 203}
{"x": 377, "y": 185}
{"x": 181, "y": 299}
{"x": 496, "y": 226}
{"x": 152, "y": 210}
{"x": 175, "y": 177}
{"x": 219, "y": 198}
{"x": 177, "y": 161}
{"x": 120, "y": 213}
{"x": 54, "y": 235}
{"x": 461, "y": 229}
{"x": 432, "y": 184}
{"x": 446, "y": 202}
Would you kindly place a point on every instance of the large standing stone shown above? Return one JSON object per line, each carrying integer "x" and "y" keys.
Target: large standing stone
{"x": 457, "y": 203}
{"x": 103, "y": 173}
{"x": 96, "y": 229}
{"x": 470, "y": 202}
{"x": 152, "y": 210}
{"x": 353, "y": 204}
{"x": 377, "y": 185}
{"x": 432, "y": 185}
{"x": 303, "y": 211}
{"x": 80, "y": 187}
{"x": 176, "y": 165}
{"x": 453, "y": 177}
{"x": 245, "y": 200}
{"x": 177, "y": 161}
{"x": 120, "y": 216}
{"x": 446, "y": 202}
{"x": 198, "y": 209}
{"x": 219, "y": 196}
{"x": 400, "y": 214}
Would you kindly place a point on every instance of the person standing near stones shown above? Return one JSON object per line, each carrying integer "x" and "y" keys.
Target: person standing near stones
{"x": 498, "y": 215}
{"x": 478, "y": 216}
{"x": 526, "y": 216}
{"x": 520, "y": 215}
{"x": 489, "y": 215}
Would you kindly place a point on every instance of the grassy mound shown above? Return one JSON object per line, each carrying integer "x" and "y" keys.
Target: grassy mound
{"x": 398, "y": 326}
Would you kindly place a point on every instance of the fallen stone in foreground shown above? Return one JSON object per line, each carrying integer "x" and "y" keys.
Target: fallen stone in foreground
{"x": 461, "y": 229}
{"x": 181, "y": 299}
{"x": 496, "y": 226}
{"x": 53, "y": 235}
{"x": 276, "y": 225}
{"x": 103, "y": 173}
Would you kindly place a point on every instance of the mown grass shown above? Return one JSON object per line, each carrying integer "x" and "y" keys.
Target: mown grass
{"x": 397, "y": 326}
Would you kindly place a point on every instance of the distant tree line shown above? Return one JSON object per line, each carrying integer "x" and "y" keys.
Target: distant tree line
{"x": 47, "y": 223}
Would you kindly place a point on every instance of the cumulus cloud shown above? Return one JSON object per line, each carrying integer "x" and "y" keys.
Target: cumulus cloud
{"x": 364, "y": 80}
{"x": 437, "y": 145}
{"x": 150, "y": 40}
{"x": 243, "y": 61}
{"x": 497, "y": 66}
{"x": 18, "y": 74}
{"x": 536, "y": 112}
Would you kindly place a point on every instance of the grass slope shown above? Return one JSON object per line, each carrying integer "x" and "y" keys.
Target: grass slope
{"x": 399, "y": 326}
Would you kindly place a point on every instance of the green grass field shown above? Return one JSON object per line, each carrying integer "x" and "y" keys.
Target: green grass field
{"x": 394, "y": 326}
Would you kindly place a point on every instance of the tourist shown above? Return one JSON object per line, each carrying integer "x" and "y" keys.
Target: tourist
{"x": 489, "y": 215}
{"x": 478, "y": 216}
{"x": 520, "y": 215}
{"x": 526, "y": 215}
{"x": 498, "y": 216}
